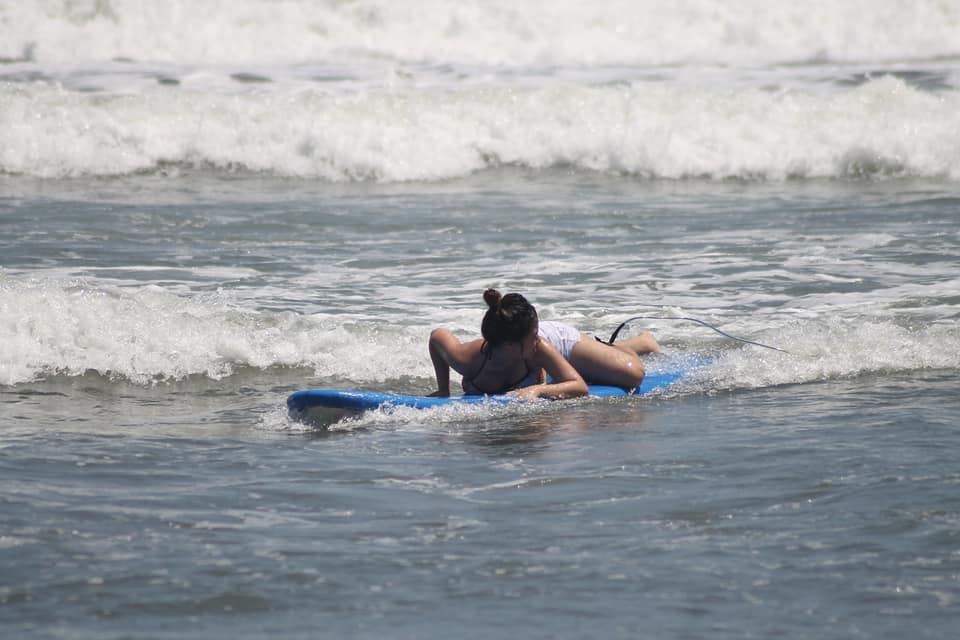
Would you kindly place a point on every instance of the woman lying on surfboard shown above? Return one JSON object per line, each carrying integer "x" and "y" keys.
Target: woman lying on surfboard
{"x": 517, "y": 350}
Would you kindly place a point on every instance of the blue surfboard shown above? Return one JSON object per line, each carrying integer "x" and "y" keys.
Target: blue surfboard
{"x": 300, "y": 403}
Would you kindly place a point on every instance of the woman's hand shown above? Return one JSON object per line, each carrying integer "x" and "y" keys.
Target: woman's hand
{"x": 567, "y": 382}
{"x": 527, "y": 393}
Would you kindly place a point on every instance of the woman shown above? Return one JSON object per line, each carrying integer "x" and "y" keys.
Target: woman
{"x": 517, "y": 349}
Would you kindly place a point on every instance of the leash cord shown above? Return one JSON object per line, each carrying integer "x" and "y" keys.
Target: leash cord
{"x": 700, "y": 322}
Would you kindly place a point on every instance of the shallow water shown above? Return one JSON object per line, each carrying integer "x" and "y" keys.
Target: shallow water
{"x": 825, "y": 509}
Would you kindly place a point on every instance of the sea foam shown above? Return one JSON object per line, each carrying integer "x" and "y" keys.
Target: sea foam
{"x": 479, "y": 32}
{"x": 148, "y": 335}
{"x": 882, "y": 127}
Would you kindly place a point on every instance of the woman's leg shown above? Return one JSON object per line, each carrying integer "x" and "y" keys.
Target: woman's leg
{"x": 618, "y": 365}
{"x": 639, "y": 344}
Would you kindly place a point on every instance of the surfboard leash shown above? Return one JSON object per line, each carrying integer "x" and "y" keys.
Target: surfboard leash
{"x": 623, "y": 324}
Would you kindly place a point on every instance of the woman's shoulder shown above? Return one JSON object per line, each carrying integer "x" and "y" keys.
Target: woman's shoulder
{"x": 471, "y": 352}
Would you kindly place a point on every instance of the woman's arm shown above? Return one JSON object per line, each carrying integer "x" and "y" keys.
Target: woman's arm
{"x": 567, "y": 383}
{"x": 439, "y": 340}
{"x": 446, "y": 352}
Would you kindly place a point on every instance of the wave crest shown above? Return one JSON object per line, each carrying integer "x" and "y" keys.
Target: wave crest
{"x": 883, "y": 127}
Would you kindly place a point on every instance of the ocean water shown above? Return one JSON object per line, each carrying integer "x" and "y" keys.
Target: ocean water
{"x": 207, "y": 206}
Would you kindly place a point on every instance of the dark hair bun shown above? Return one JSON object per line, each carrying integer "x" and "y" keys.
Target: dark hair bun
{"x": 509, "y": 318}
